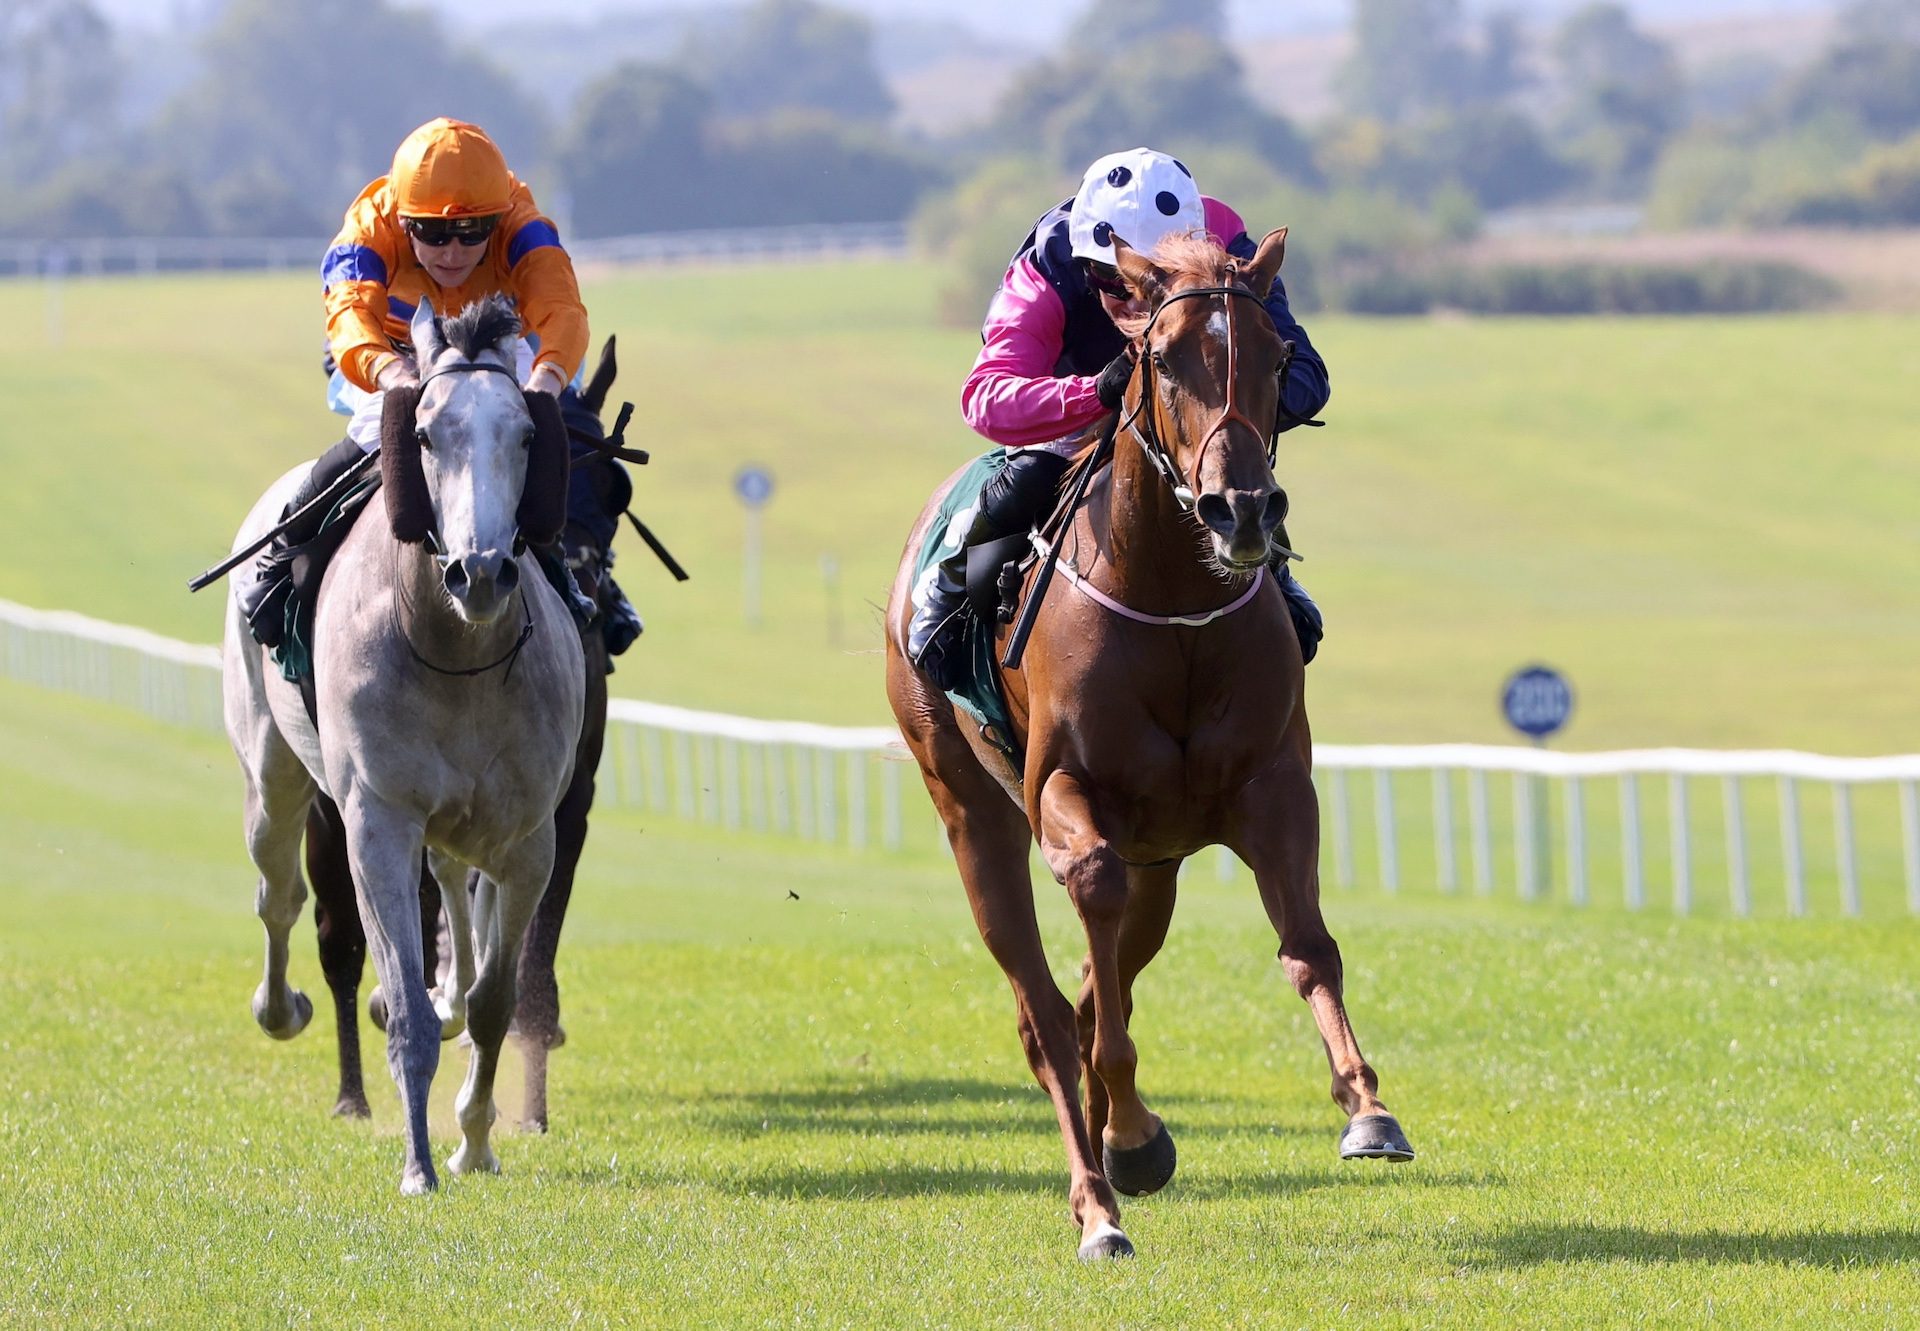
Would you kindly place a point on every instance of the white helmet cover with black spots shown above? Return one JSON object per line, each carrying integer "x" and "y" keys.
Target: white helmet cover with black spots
{"x": 1139, "y": 195}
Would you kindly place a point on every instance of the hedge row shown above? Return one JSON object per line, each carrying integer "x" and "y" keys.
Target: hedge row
{"x": 1714, "y": 287}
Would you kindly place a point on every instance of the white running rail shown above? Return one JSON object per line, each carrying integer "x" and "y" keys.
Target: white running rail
{"x": 1558, "y": 829}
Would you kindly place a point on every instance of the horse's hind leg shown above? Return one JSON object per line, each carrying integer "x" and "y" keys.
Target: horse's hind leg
{"x": 1151, "y": 892}
{"x": 278, "y": 791}
{"x": 385, "y": 845}
{"x": 450, "y": 992}
{"x": 502, "y": 908}
{"x": 343, "y": 943}
{"x": 1279, "y": 838}
{"x": 536, "y": 1019}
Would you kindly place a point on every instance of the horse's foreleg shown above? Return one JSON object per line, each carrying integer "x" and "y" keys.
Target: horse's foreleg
{"x": 502, "y": 908}
{"x": 1151, "y": 892}
{"x": 450, "y": 994}
{"x": 386, "y": 846}
{"x": 1096, "y": 880}
{"x": 1279, "y": 838}
{"x": 343, "y": 944}
{"x": 278, "y": 792}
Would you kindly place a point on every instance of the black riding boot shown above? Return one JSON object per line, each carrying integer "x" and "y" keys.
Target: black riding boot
{"x": 264, "y": 600}
{"x": 1018, "y": 495}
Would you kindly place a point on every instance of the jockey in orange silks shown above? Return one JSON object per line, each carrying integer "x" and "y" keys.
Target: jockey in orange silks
{"x": 1052, "y": 362}
{"x": 451, "y": 224}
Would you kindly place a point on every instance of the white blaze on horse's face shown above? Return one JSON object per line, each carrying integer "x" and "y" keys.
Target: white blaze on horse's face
{"x": 477, "y": 435}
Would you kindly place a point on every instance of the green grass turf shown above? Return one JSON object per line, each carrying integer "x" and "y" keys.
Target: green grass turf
{"x": 813, "y": 1112}
{"x": 1710, "y": 524}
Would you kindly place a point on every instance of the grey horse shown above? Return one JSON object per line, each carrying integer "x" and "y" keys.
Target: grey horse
{"x": 449, "y": 695}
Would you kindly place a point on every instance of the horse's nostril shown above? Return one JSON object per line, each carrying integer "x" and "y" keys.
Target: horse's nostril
{"x": 1216, "y": 512}
{"x": 455, "y": 576}
{"x": 509, "y": 577}
{"x": 1275, "y": 511}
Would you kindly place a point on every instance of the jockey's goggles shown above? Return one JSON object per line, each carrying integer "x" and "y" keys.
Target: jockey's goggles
{"x": 439, "y": 232}
{"x": 1107, "y": 281}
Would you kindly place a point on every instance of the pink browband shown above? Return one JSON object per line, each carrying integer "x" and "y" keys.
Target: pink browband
{"x": 1099, "y": 597}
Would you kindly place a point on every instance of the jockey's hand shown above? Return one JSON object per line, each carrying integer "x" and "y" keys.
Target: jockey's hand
{"x": 1111, "y": 386}
{"x": 547, "y": 378}
{"x": 397, "y": 373}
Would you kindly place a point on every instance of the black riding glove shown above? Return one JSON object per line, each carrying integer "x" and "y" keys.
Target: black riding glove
{"x": 1111, "y": 385}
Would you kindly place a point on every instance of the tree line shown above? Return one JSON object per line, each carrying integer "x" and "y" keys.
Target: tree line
{"x": 778, "y": 113}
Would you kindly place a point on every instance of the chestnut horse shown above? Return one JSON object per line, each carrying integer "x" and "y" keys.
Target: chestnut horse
{"x": 1160, "y": 710}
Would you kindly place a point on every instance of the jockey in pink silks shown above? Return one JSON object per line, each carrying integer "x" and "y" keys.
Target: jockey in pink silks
{"x": 1052, "y": 363}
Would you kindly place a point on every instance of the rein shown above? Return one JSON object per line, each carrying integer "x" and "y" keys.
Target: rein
{"x": 1086, "y": 588}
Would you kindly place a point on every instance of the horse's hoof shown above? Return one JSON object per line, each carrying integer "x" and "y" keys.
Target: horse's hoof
{"x": 1139, "y": 1170}
{"x": 416, "y": 1181}
{"x": 1374, "y": 1137}
{"x": 377, "y": 1008}
{"x": 468, "y": 1161}
{"x": 352, "y": 1106}
{"x": 538, "y": 1125}
{"x": 293, "y": 1024}
{"x": 1105, "y": 1241}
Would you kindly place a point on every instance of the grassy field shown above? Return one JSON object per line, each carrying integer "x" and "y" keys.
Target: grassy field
{"x": 792, "y": 1094}
{"x": 813, "y": 1113}
{"x": 1710, "y": 525}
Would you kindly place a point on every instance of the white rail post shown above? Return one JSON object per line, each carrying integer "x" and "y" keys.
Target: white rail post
{"x": 1910, "y": 839}
{"x": 756, "y": 762}
{"x": 683, "y": 777}
{"x": 1342, "y": 829}
{"x": 780, "y": 788}
{"x": 894, "y": 833}
{"x": 706, "y": 775}
{"x": 1385, "y": 833}
{"x": 1736, "y": 847}
{"x": 1447, "y": 871}
{"x": 803, "y": 806}
{"x": 656, "y": 750}
{"x": 1576, "y": 842}
{"x": 857, "y": 798}
{"x": 1679, "y": 842}
{"x": 730, "y": 780}
{"x": 1843, "y": 847}
{"x": 826, "y": 822}
{"x": 1631, "y": 866}
{"x": 1480, "y": 828}
{"x": 1526, "y": 829}
{"x": 1795, "y": 860}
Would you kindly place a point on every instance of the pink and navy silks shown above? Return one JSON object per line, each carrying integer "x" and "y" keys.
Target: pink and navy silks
{"x": 1046, "y": 338}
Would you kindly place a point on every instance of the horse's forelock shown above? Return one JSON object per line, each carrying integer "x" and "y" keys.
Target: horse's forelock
{"x": 482, "y": 326}
{"x": 1191, "y": 259}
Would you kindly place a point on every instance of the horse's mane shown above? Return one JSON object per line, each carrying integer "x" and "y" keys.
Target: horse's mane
{"x": 482, "y": 325}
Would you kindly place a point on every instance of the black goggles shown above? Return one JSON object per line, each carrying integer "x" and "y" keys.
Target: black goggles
{"x": 438, "y": 232}
{"x": 1107, "y": 281}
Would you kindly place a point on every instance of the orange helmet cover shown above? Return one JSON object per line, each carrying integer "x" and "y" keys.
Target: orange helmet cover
{"x": 448, "y": 168}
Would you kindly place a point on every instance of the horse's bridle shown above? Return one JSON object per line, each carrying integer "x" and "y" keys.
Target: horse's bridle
{"x": 1158, "y": 454}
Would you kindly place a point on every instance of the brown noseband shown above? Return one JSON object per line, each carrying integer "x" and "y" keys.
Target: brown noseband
{"x": 1157, "y": 452}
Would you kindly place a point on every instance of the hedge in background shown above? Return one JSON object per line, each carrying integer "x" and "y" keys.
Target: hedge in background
{"x": 1716, "y": 287}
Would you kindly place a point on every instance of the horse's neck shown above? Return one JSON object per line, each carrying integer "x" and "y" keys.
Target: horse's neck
{"x": 433, "y": 628}
{"x": 1153, "y": 547}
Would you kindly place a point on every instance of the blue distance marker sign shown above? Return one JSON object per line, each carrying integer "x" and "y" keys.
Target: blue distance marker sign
{"x": 1537, "y": 701}
{"x": 753, "y": 485}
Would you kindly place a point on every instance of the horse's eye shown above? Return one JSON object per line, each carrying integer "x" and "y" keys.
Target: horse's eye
{"x": 420, "y": 438}
{"x": 526, "y": 440}
{"x": 1160, "y": 362}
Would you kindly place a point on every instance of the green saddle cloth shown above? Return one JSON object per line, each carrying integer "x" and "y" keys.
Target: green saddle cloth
{"x": 294, "y": 655}
{"x": 979, "y": 694}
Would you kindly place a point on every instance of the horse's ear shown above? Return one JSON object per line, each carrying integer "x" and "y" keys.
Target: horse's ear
{"x": 1142, "y": 275}
{"x": 402, "y": 478}
{"x": 1266, "y": 262}
{"x": 595, "y": 394}
{"x": 425, "y": 331}
{"x": 543, "y": 498}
